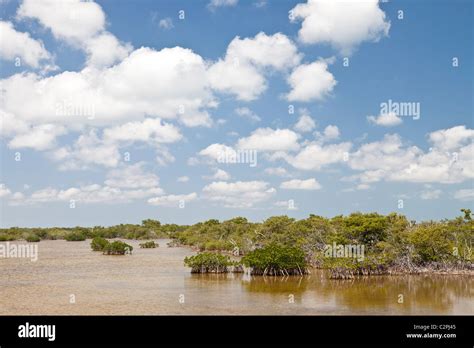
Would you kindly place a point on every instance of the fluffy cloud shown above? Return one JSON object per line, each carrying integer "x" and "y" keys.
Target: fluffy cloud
{"x": 11, "y": 125}
{"x": 150, "y": 130}
{"x": 240, "y": 194}
{"x": 244, "y": 81}
{"x": 242, "y": 71}
{"x": 387, "y": 154}
{"x": 342, "y": 24}
{"x": 310, "y": 82}
{"x": 267, "y": 139}
{"x": 123, "y": 185}
{"x": 40, "y": 137}
{"x": 4, "y": 191}
{"x": 166, "y": 23}
{"x": 216, "y": 151}
{"x": 273, "y": 51}
{"x": 315, "y": 156}
{"x": 464, "y": 194}
{"x": 87, "y": 194}
{"x": 386, "y": 120}
{"x": 296, "y": 184}
{"x": 72, "y": 20}
{"x": 220, "y": 175}
{"x": 214, "y": 4}
{"x": 183, "y": 179}
{"x": 247, "y": 113}
{"x": 79, "y": 23}
{"x": 430, "y": 194}
{"x": 169, "y": 84}
{"x": 172, "y": 200}
{"x": 289, "y": 205}
{"x": 105, "y": 50}
{"x": 88, "y": 150}
{"x": 450, "y": 159}
{"x": 331, "y": 132}
{"x": 305, "y": 124}
{"x": 452, "y": 138}
{"x": 16, "y": 44}
{"x": 278, "y": 171}
{"x": 132, "y": 176}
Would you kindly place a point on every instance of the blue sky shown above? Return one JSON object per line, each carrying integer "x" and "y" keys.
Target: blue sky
{"x": 167, "y": 101}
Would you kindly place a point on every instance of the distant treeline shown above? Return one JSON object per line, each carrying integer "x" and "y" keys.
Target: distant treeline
{"x": 391, "y": 242}
{"x": 149, "y": 229}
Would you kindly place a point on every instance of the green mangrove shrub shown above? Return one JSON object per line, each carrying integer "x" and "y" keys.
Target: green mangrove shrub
{"x": 209, "y": 263}
{"x": 276, "y": 260}
{"x": 349, "y": 268}
{"x": 117, "y": 248}
{"x": 5, "y": 237}
{"x": 99, "y": 243}
{"x": 149, "y": 245}
{"x": 75, "y": 237}
{"x": 32, "y": 238}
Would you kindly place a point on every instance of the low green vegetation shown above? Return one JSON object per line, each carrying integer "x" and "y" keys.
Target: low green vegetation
{"x": 149, "y": 245}
{"x": 213, "y": 235}
{"x": 6, "y": 238}
{"x": 117, "y": 248}
{"x": 276, "y": 260}
{"x": 392, "y": 243}
{"x": 32, "y": 238}
{"x": 75, "y": 237}
{"x": 209, "y": 263}
{"x": 110, "y": 248}
{"x": 99, "y": 243}
{"x": 148, "y": 229}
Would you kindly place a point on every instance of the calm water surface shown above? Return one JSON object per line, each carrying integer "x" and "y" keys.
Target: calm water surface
{"x": 152, "y": 281}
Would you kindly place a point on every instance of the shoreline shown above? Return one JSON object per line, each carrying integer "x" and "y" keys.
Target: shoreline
{"x": 346, "y": 273}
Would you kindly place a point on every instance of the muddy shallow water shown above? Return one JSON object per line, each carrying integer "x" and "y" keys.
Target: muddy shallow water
{"x": 68, "y": 278}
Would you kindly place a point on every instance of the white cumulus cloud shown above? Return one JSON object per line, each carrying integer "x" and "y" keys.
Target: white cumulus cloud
{"x": 342, "y": 24}
{"x": 296, "y": 184}
{"x": 173, "y": 201}
{"x": 267, "y": 139}
{"x": 243, "y": 69}
{"x": 240, "y": 194}
{"x": 464, "y": 194}
{"x": 15, "y": 44}
{"x": 305, "y": 124}
{"x": 310, "y": 82}
{"x": 80, "y": 24}
{"x": 386, "y": 120}
{"x": 214, "y": 4}
{"x": 248, "y": 114}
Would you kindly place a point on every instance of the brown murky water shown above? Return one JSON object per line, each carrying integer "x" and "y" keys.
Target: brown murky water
{"x": 155, "y": 281}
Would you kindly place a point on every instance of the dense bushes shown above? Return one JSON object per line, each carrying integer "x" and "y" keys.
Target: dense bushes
{"x": 391, "y": 241}
{"x": 208, "y": 263}
{"x": 149, "y": 229}
{"x": 110, "y": 248}
{"x": 99, "y": 243}
{"x": 212, "y": 235}
{"x": 276, "y": 260}
{"x": 117, "y": 248}
{"x": 149, "y": 245}
{"x": 431, "y": 243}
{"x": 33, "y": 238}
{"x": 6, "y": 237}
{"x": 75, "y": 237}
